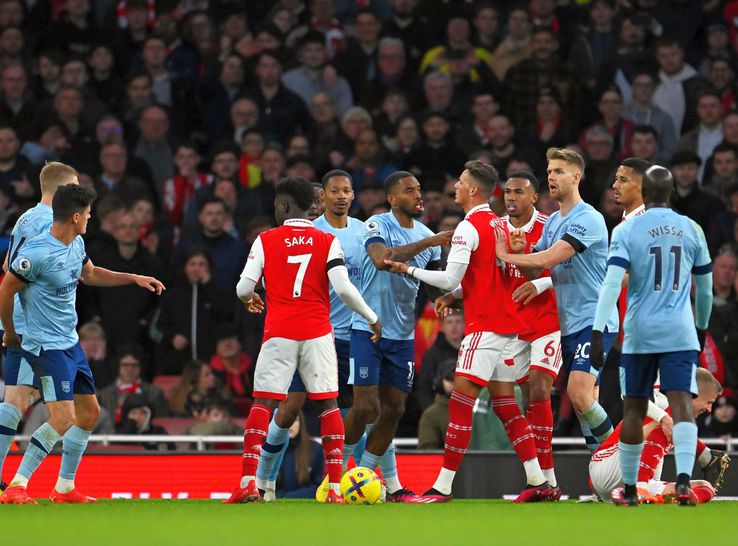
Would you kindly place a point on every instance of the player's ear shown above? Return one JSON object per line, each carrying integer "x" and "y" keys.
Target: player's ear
{"x": 534, "y": 199}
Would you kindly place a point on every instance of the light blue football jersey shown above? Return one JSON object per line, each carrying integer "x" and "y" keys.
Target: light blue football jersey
{"x": 392, "y": 296}
{"x": 350, "y": 238}
{"x": 31, "y": 223}
{"x": 661, "y": 249}
{"x": 577, "y": 280}
{"x": 52, "y": 271}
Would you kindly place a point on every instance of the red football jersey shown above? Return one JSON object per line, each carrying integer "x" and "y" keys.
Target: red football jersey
{"x": 539, "y": 317}
{"x": 295, "y": 257}
{"x": 488, "y": 306}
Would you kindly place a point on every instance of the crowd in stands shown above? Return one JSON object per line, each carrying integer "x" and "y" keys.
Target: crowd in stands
{"x": 183, "y": 115}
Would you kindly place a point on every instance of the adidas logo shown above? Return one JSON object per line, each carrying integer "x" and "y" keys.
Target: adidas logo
{"x": 545, "y": 360}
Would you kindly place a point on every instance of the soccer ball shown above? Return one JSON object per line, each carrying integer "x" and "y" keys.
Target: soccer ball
{"x": 361, "y": 486}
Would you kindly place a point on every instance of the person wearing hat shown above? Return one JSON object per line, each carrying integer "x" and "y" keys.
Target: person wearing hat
{"x": 138, "y": 414}
{"x": 724, "y": 418}
{"x": 689, "y": 199}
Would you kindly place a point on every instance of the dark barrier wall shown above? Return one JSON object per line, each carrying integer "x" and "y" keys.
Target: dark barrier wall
{"x": 494, "y": 474}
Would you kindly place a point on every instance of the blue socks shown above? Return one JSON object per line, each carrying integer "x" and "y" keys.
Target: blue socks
{"x": 42, "y": 442}
{"x": 73, "y": 447}
{"x": 369, "y": 460}
{"x": 600, "y": 426}
{"x": 10, "y": 416}
{"x": 272, "y": 452}
{"x": 685, "y": 445}
{"x": 630, "y": 460}
{"x": 590, "y": 440}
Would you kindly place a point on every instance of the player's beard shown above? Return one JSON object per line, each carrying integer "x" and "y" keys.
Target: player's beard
{"x": 412, "y": 212}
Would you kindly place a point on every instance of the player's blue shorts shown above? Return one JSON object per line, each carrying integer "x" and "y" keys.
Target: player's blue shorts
{"x": 575, "y": 350}
{"x": 62, "y": 373}
{"x": 342, "y": 353}
{"x": 389, "y": 361}
{"x": 16, "y": 369}
{"x": 678, "y": 373}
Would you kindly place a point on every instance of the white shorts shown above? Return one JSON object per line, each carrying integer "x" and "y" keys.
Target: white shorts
{"x": 314, "y": 359}
{"x": 542, "y": 354}
{"x": 605, "y": 474}
{"x": 486, "y": 356}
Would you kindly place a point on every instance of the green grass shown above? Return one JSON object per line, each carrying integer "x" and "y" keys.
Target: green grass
{"x": 303, "y": 523}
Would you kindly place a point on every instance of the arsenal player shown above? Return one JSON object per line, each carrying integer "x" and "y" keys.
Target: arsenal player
{"x": 296, "y": 261}
{"x": 488, "y": 352}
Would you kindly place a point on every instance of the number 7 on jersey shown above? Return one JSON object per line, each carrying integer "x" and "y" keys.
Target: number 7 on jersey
{"x": 303, "y": 260}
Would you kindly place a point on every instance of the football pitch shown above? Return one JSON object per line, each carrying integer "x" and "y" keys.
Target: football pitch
{"x": 293, "y": 522}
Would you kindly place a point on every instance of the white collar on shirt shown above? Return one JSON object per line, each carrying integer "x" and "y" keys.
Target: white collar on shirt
{"x": 635, "y": 212}
{"x": 527, "y": 228}
{"x": 484, "y": 206}
{"x": 304, "y": 222}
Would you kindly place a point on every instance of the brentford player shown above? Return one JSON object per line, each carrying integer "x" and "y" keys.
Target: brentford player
{"x": 606, "y": 478}
{"x": 296, "y": 261}
{"x": 539, "y": 321}
{"x": 490, "y": 348}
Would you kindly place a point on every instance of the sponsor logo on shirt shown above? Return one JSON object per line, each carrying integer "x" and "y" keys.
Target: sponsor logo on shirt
{"x": 577, "y": 229}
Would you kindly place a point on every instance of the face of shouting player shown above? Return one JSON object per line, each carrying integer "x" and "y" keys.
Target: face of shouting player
{"x": 627, "y": 187}
{"x": 338, "y": 195}
{"x": 520, "y": 197}
{"x": 563, "y": 177}
{"x": 703, "y": 403}
{"x": 406, "y": 197}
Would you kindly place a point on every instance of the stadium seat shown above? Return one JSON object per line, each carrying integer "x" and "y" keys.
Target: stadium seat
{"x": 167, "y": 383}
{"x": 175, "y": 426}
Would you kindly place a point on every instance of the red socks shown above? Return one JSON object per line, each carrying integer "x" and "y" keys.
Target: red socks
{"x": 332, "y": 433}
{"x": 704, "y": 494}
{"x": 516, "y": 427}
{"x": 540, "y": 418}
{"x": 654, "y": 449}
{"x": 254, "y": 435}
{"x": 458, "y": 433}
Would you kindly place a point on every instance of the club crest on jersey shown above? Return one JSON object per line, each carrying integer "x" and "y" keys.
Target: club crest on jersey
{"x": 363, "y": 372}
{"x": 24, "y": 265}
{"x": 298, "y": 240}
{"x": 66, "y": 386}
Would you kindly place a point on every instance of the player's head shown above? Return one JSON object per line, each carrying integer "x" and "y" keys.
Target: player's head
{"x": 628, "y": 181}
{"x": 55, "y": 174}
{"x": 294, "y": 196}
{"x": 475, "y": 184}
{"x": 521, "y": 194}
{"x": 565, "y": 168}
{"x": 337, "y": 192}
{"x": 657, "y": 185}
{"x": 403, "y": 194}
{"x": 708, "y": 389}
{"x": 318, "y": 206}
{"x": 71, "y": 205}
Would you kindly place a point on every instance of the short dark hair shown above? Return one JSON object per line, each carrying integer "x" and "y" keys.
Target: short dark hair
{"x": 211, "y": 199}
{"x": 709, "y": 92}
{"x": 725, "y": 147}
{"x": 526, "y": 175}
{"x": 392, "y": 180}
{"x": 335, "y": 172}
{"x": 638, "y": 164}
{"x": 297, "y": 188}
{"x": 485, "y": 175}
{"x": 646, "y": 130}
{"x": 547, "y": 29}
{"x": 70, "y": 199}
{"x": 130, "y": 349}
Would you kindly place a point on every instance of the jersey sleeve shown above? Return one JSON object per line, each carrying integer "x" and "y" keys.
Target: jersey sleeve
{"x": 463, "y": 243}
{"x": 542, "y": 243}
{"x": 28, "y": 265}
{"x": 335, "y": 255}
{"x": 584, "y": 230}
{"x": 702, "y": 263}
{"x": 619, "y": 254}
{"x": 255, "y": 263}
{"x": 374, "y": 232}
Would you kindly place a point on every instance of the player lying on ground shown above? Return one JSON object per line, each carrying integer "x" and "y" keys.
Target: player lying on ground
{"x": 606, "y": 478}
{"x": 296, "y": 261}
{"x": 663, "y": 250}
{"x": 46, "y": 273}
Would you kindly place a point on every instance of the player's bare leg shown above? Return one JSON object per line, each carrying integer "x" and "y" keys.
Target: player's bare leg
{"x": 517, "y": 428}
{"x": 364, "y": 410}
{"x": 458, "y": 436}
{"x": 537, "y": 401}
{"x": 594, "y": 421}
{"x": 685, "y": 442}
{"x": 18, "y": 398}
{"x": 630, "y": 447}
{"x": 255, "y": 432}
{"x": 332, "y": 435}
{"x": 277, "y": 441}
{"x": 61, "y": 418}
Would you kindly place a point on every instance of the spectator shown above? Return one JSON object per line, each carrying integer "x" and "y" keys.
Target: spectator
{"x": 104, "y": 82}
{"x": 131, "y": 32}
{"x": 368, "y": 163}
{"x": 231, "y": 365}
{"x": 516, "y": 45}
{"x": 502, "y": 145}
{"x": 67, "y": 112}
{"x": 725, "y": 268}
{"x": 49, "y": 70}
{"x": 642, "y": 110}
{"x": 723, "y": 327}
{"x": 549, "y": 129}
{"x": 486, "y": 23}
{"x": 721, "y": 76}
{"x": 689, "y": 198}
{"x": 724, "y": 175}
{"x": 594, "y": 42}
{"x": 326, "y": 130}
{"x": 192, "y": 311}
{"x": 95, "y": 346}
{"x": 610, "y": 107}
{"x": 153, "y": 145}
{"x": 709, "y": 133}
{"x": 405, "y": 143}
{"x": 357, "y": 60}
{"x": 437, "y": 155}
{"x": 392, "y": 73}
{"x": 434, "y": 420}
{"x": 438, "y": 92}
{"x": 394, "y": 106}
{"x": 215, "y": 420}
{"x": 718, "y": 47}
{"x": 723, "y": 422}
{"x": 17, "y": 107}
{"x": 75, "y": 32}
{"x": 244, "y": 116}
{"x": 442, "y": 354}
{"x": 218, "y": 95}
{"x": 138, "y": 95}
{"x": 195, "y": 391}
{"x": 645, "y": 144}
{"x": 114, "y": 178}
{"x": 180, "y": 190}
{"x": 598, "y": 145}
{"x": 303, "y": 466}
{"x": 128, "y": 383}
{"x": 474, "y": 135}
{"x": 415, "y": 33}
{"x": 138, "y": 412}
{"x": 13, "y": 167}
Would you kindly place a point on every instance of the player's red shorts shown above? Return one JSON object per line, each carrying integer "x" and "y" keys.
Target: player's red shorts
{"x": 542, "y": 354}
{"x": 314, "y": 359}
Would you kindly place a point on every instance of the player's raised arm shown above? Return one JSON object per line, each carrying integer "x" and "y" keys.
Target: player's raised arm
{"x": 380, "y": 253}
{"x": 339, "y": 279}
{"x": 532, "y": 264}
{"x": 99, "y": 276}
